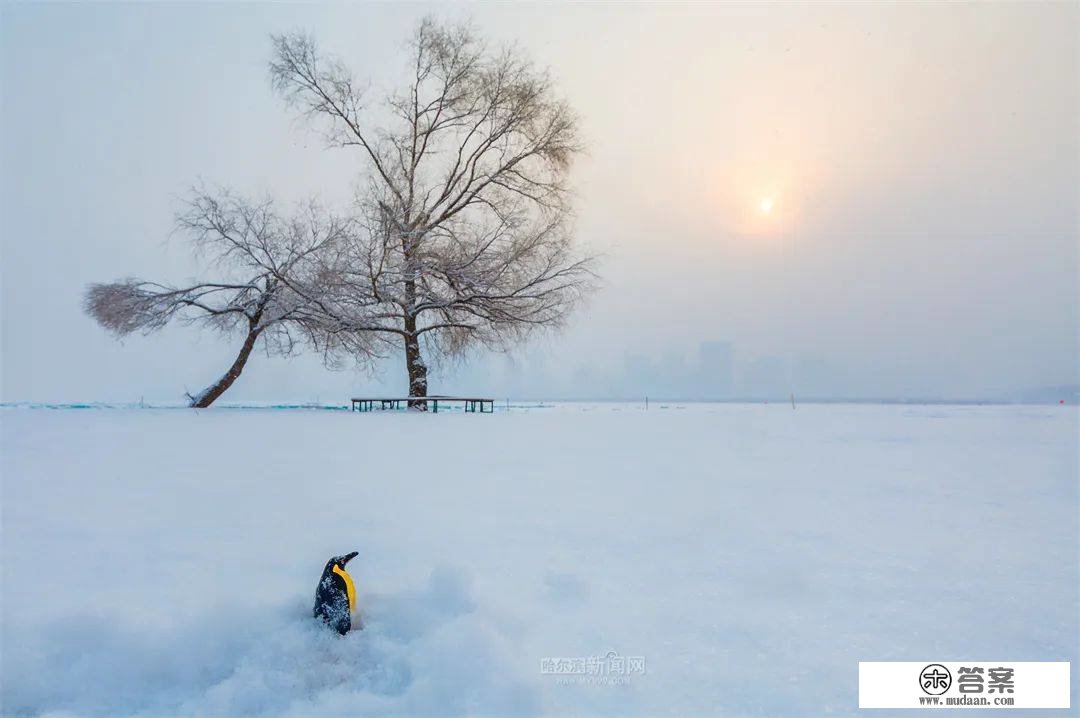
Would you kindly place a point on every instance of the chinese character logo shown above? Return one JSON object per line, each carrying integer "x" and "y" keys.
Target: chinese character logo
{"x": 1001, "y": 680}
{"x": 609, "y": 667}
{"x": 970, "y": 680}
{"x": 935, "y": 679}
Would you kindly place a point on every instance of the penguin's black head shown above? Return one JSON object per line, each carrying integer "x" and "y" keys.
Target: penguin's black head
{"x": 340, "y": 561}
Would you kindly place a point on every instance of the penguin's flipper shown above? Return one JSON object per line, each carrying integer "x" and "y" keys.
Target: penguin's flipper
{"x": 343, "y": 625}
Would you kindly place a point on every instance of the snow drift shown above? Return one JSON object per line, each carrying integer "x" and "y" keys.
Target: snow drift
{"x": 162, "y": 562}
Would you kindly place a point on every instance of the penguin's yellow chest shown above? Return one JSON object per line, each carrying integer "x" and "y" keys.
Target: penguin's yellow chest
{"x": 349, "y": 587}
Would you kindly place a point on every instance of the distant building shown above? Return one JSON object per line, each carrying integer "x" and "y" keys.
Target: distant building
{"x": 716, "y": 370}
{"x": 764, "y": 377}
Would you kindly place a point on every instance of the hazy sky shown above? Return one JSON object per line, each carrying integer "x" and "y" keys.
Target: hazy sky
{"x": 924, "y": 162}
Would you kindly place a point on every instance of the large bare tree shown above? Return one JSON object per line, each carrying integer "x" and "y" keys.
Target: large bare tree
{"x": 463, "y": 231}
{"x": 257, "y": 255}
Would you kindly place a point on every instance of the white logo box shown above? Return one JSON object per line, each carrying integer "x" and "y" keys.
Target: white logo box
{"x": 896, "y": 684}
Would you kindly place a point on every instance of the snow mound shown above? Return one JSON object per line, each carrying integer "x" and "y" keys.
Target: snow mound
{"x": 421, "y": 650}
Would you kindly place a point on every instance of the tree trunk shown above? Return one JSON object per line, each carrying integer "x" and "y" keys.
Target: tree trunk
{"x": 207, "y": 396}
{"x": 414, "y": 365}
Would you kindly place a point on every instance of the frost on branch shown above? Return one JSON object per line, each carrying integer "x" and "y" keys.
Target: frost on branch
{"x": 258, "y": 257}
{"x": 463, "y": 232}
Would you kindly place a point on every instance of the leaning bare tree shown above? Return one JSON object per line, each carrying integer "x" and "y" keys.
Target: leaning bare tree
{"x": 463, "y": 233}
{"x": 257, "y": 255}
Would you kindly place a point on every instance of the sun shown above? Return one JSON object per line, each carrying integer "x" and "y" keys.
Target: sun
{"x": 766, "y": 205}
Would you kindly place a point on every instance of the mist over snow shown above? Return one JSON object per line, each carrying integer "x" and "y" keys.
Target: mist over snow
{"x": 922, "y": 160}
{"x": 792, "y": 206}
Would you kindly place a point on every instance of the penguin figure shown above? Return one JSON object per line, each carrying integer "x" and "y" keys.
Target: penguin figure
{"x": 335, "y": 596}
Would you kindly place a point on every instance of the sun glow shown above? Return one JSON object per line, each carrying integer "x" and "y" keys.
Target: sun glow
{"x": 766, "y": 205}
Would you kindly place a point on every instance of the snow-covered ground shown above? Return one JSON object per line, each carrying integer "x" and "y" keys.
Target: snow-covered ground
{"x": 160, "y": 562}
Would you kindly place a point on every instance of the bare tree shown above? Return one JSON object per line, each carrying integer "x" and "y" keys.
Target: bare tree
{"x": 258, "y": 255}
{"x": 463, "y": 234}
